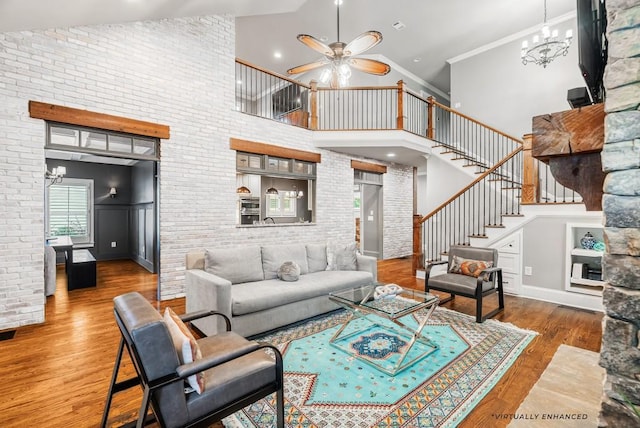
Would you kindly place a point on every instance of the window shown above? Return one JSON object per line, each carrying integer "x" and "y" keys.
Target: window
{"x": 98, "y": 141}
{"x": 69, "y": 210}
{"x": 281, "y": 205}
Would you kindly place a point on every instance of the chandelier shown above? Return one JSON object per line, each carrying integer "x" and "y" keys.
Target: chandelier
{"x": 546, "y": 48}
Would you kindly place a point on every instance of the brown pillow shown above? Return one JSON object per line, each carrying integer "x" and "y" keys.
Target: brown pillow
{"x": 469, "y": 267}
{"x": 186, "y": 347}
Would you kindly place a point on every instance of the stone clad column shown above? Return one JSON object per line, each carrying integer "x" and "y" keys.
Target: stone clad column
{"x": 620, "y": 353}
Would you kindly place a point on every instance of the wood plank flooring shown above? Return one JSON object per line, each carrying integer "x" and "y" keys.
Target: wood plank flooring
{"x": 56, "y": 374}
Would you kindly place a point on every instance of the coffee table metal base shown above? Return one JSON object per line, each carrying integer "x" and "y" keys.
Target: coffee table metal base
{"x": 407, "y": 355}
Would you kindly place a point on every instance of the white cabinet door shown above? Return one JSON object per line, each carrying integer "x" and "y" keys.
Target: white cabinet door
{"x": 509, "y": 259}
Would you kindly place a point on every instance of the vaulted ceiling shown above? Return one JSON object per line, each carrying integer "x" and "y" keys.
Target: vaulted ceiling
{"x": 434, "y": 30}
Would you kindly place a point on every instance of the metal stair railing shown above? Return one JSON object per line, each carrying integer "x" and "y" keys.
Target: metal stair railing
{"x": 480, "y": 205}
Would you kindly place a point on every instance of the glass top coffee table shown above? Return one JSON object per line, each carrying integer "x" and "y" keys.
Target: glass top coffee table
{"x": 380, "y": 331}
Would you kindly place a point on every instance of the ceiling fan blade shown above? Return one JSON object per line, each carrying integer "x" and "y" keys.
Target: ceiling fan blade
{"x": 363, "y": 42}
{"x": 316, "y": 45}
{"x": 306, "y": 67}
{"x": 371, "y": 66}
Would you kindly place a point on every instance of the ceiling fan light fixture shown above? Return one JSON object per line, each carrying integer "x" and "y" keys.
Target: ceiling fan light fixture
{"x": 339, "y": 57}
{"x": 325, "y": 76}
{"x": 344, "y": 71}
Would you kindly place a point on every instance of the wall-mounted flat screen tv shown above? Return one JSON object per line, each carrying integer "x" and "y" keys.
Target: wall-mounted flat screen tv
{"x": 592, "y": 45}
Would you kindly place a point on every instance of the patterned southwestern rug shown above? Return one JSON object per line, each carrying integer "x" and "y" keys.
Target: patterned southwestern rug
{"x": 328, "y": 387}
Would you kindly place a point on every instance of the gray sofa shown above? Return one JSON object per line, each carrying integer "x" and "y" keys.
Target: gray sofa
{"x": 242, "y": 283}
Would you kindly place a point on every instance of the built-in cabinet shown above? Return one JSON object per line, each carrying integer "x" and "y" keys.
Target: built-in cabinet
{"x": 509, "y": 259}
{"x": 583, "y": 270}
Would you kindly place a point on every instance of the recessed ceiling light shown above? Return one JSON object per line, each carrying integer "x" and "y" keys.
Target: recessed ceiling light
{"x": 391, "y": 155}
{"x": 277, "y": 54}
{"x": 399, "y": 25}
{"x": 324, "y": 39}
{"x": 338, "y": 2}
{"x": 418, "y": 59}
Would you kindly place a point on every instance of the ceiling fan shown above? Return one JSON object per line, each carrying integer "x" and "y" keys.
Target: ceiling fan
{"x": 339, "y": 56}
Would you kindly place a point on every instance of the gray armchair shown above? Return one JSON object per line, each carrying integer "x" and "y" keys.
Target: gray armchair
{"x": 237, "y": 371}
{"x": 469, "y": 279}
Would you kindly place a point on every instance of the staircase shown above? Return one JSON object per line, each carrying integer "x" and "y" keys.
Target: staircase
{"x": 490, "y": 206}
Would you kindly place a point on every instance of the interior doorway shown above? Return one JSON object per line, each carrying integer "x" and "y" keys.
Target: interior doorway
{"x": 368, "y": 213}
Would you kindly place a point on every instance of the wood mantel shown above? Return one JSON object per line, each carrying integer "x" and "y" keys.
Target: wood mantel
{"x": 570, "y": 142}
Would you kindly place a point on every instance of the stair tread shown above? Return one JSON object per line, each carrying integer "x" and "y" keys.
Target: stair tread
{"x": 495, "y": 226}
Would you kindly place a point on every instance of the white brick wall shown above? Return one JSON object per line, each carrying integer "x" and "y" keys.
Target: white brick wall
{"x": 177, "y": 72}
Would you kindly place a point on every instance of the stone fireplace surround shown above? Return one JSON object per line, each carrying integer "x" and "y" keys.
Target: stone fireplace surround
{"x": 620, "y": 353}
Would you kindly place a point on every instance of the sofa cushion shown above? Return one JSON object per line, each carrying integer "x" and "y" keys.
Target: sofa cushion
{"x": 274, "y": 255}
{"x": 186, "y": 347}
{"x": 316, "y": 257}
{"x": 243, "y": 264}
{"x": 342, "y": 257}
{"x": 258, "y": 296}
{"x": 289, "y": 271}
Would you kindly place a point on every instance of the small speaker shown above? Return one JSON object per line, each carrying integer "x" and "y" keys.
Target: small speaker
{"x": 578, "y": 97}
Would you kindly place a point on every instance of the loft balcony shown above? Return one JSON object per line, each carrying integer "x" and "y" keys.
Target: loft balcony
{"x": 373, "y": 122}
{"x": 342, "y": 119}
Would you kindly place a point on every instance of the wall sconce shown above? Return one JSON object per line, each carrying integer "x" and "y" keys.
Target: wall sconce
{"x": 55, "y": 175}
{"x": 113, "y": 192}
{"x": 243, "y": 190}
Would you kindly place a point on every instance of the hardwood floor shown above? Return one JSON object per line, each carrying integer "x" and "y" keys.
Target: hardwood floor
{"x": 56, "y": 374}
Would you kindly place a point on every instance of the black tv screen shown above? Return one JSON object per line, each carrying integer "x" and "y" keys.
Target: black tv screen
{"x": 592, "y": 45}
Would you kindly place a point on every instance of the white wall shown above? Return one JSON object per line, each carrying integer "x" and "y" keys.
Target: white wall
{"x": 441, "y": 181}
{"x": 178, "y": 72}
{"x": 497, "y": 89}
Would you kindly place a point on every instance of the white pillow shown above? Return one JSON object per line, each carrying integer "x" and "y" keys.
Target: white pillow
{"x": 186, "y": 347}
{"x": 342, "y": 257}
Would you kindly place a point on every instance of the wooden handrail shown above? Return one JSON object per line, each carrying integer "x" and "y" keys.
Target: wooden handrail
{"x": 359, "y": 88}
{"x": 279, "y": 76}
{"x": 473, "y": 183}
{"x": 450, "y": 110}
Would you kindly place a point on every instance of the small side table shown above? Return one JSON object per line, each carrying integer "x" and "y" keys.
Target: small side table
{"x": 81, "y": 271}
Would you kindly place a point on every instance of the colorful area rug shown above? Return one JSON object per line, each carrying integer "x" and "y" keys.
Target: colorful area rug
{"x": 328, "y": 387}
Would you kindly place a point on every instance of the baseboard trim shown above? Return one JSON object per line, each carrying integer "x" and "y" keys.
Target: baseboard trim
{"x": 576, "y": 300}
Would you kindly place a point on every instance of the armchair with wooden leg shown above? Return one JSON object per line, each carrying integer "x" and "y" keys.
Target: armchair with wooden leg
{"x": 472, "y": 272}
{"x": 227, "y": 373}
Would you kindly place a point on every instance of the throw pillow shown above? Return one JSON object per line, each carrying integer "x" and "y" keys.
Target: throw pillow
{"x": 289, "y": 271}
{"x": 186, "y": 347}
{"x": 470, "y": 267}
{"x": 342, "y": 257}
{"x": 316, "y": 257}
{"x": 237, "y": 265}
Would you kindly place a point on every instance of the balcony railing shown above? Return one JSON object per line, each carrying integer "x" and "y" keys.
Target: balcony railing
{"x": 262, "y": 93}
{"x": 269, "y": 95}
